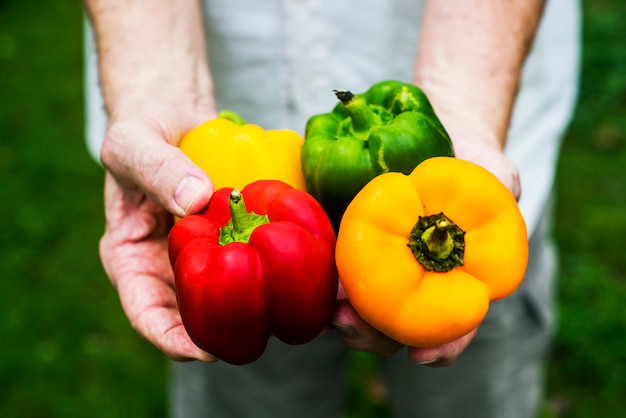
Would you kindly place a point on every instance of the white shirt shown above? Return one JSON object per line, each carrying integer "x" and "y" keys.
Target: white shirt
{"x": 276, "y": 62}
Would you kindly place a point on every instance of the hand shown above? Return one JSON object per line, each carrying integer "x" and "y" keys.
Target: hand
{"x": 473, "y": 144}
{"x": 473, "y": 138}
{"x": 359, "y": 335}
{"x": 148, "y": 178}
{"x": 493, "y": 160}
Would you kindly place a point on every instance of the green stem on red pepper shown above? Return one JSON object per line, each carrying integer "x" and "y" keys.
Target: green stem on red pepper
{"x": 232, "y": 298}
{"x": 241, "y": 223}
{"x": 437, "y": 243}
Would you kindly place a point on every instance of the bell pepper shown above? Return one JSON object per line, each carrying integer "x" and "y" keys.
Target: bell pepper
{"x": 421, "y": 256}
{"x": 255, "y": 262}
{"x": 390, "y": 127}
{"x": 261, "y": 154}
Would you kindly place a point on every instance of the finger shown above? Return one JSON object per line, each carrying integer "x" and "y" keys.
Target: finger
{"x": 442, "y": 355}
{"x": 341, "y": 292}
{"x": 149, "y": 302}
{"x": 133, "y": 251}
{"x": 161, "y": 325}
{"x": 139, "y": 154}
{"x": 358, "y": 334}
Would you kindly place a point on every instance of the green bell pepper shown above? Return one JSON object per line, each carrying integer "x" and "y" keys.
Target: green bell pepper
{"x": 390, "y": 127}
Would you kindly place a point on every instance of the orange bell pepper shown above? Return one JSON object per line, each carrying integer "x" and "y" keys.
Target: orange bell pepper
{"x": 234, "y": 153}
{"x": 421, "y": 256}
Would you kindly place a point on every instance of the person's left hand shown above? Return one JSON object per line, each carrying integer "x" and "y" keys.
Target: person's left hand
{"x": 359, "y": 335}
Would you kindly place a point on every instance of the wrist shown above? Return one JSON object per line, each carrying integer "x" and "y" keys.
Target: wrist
{"x": 173, "y": 105}
{"x": 475, "y": 136}
{"x": 468, "y": 119}
{"x": 469, "y": 62}
{"x": 136, "y": 89}
{"x": 163, "y": 59}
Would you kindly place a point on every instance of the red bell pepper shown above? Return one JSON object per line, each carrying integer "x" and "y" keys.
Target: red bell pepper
{"x": 245, "y": 271}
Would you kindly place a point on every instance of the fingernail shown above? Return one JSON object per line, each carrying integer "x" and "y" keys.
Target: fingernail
{"x": 345, "y": 330}
{"x": 187, "y": 192}
{"x": 430, "y": 361}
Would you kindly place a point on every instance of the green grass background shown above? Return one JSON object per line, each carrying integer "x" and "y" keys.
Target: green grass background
{"x": 66, "y": 350}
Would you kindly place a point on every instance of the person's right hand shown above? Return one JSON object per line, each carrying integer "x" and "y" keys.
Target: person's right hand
{"x": 147, "y": 180}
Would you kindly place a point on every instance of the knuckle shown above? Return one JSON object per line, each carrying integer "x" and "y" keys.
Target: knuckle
{"x": 112, "y": 146}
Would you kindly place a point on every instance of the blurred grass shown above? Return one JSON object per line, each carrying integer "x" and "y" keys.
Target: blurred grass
{"x": 587, "y": 374}
{"x": 68, "y": 351}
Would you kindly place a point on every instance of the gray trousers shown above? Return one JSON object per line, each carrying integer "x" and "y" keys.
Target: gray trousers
{"x": 500, "y": 374}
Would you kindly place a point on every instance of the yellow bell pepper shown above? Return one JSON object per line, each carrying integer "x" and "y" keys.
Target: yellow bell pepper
{"x": 234, "y": 153}
{"x": 421, "y": 256}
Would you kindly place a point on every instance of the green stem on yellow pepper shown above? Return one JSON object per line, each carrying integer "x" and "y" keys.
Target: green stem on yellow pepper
{"x": 231, "y": 116}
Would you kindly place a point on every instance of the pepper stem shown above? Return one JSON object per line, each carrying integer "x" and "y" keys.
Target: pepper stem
{"x": 242, "y": 222}
{"x": 231, "y": 116}
{"x": 364, "y": 119}
{"x": 437, "y": 243}
{"x": 238, "y": 212}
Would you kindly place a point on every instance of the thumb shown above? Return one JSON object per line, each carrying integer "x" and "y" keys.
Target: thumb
{"x": 138, "y": 156}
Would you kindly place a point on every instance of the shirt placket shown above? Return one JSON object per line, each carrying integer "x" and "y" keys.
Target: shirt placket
{"x": 306, "y": 76}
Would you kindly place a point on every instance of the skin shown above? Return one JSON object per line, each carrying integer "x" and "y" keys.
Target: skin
{"x": 469, "y": 64}
{"x": 156, "y": 84}
{"x": 151, "y": 103}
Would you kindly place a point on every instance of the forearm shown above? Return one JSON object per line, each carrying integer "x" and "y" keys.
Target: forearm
{"x": 150, "y": 48}
{"x": 469, "y": 62}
